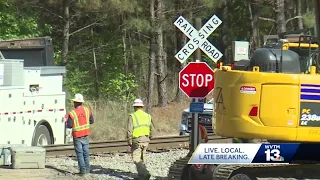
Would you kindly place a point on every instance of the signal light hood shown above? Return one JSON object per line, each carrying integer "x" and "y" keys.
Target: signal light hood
{"x": 218, "y": 64}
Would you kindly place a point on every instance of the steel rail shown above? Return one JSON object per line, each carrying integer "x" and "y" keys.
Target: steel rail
{"x": 120, "y": 146}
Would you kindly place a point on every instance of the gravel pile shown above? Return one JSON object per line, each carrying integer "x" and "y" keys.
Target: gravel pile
{"x": 118, "y": 167}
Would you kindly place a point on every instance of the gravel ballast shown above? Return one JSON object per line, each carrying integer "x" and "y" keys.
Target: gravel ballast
{"x": 116, "y": 167}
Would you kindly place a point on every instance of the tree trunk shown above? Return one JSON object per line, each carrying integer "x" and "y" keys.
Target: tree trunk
{"x": 152, "y": 70}
{"x": 160, "y": 57}
{"x": 290, "y": 13}
{"x": 66, "y": 28}
{"x": 280, "y": 20}
{"x": 96, "y": 82}
{"x": 299, "y": 8}
{"x": 225, "y": 30}
{"x": 180, "y": 42}
{"x": 124, "y": 43}
{"x": 307, "y": 5}
{"x": 132, "y": 57}
{"x": 254, "y": 6}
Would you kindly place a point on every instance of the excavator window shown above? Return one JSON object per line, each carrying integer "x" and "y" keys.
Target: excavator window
{"x": 304, "y": 45}
{"x": 305, "y": 55}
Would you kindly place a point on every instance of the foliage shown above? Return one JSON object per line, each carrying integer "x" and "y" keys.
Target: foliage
{"x": 76, "y": 82}
{"x": 109, "y": 40}
{"x": 109, "y": 44}
{"x": 121, "y": 88}
{"x": 309, "y": 19}
{"x": 15, "y": 24}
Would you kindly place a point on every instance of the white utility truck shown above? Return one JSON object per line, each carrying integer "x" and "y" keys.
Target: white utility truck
{"x": 32, "y": 101}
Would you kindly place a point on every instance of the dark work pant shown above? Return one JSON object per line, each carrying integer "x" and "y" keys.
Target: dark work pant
{"x": 81, "y": 146}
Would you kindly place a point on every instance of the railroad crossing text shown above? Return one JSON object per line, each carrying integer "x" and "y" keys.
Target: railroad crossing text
{"x": 198, "y": 39}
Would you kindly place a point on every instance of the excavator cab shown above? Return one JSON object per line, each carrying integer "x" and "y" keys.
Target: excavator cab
{"x": 304, "y": 44}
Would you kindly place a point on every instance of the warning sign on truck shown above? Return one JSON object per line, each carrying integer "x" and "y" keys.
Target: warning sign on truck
{"x": 248, "y": 90}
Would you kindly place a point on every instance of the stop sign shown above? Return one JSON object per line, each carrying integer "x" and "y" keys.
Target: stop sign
{"x": 196, "y": 80}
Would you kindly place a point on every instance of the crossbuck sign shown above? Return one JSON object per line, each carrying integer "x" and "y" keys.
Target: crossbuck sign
{"x": 198, "y": 39}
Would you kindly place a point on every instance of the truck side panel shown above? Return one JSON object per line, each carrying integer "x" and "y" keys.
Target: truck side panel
{"x": 11, "y": 116}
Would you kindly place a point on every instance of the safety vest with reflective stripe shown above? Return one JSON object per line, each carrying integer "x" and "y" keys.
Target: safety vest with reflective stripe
{"x": 81, "y": 124}
{"x": 141, "y": 123}
{"x": 202, "y": 133}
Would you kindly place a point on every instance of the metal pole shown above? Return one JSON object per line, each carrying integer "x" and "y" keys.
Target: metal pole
{"x": 195, "y": 116}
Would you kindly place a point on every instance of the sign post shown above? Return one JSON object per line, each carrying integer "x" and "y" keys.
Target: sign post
{"x": 195, "y": 116}
{"x": 196, "y": 80}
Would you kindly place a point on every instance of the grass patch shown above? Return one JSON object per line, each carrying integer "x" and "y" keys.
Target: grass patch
{"x": 111, "y": 119}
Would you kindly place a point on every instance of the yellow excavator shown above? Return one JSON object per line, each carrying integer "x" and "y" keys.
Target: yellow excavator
{"x": 264, "y": 97}
{"x": 273, "y": 96}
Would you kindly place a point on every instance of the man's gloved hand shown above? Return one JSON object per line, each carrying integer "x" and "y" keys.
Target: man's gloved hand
{"x": 129, "y": 143}
{"x": 129, "y": 146}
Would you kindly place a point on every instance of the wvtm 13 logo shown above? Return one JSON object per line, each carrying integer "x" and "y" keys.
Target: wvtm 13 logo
{"x": 273, "y": 153}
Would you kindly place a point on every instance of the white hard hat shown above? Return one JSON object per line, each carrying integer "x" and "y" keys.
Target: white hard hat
{"x": 284, "y": 40}
{"x": 138, "y": 102}
{"x": 78, "y": 98}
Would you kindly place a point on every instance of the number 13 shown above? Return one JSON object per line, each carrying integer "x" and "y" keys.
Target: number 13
{"x": 274, "y": 152}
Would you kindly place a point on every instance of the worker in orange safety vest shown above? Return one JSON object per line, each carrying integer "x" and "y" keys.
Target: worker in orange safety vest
{"x": 79, "y": 121}
{"x": 203, "y": 135}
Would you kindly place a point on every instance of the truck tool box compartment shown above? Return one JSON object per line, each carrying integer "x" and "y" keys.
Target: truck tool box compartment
{"x": 5, "y": 154}
{"x": 28, "y": 157}
{"x": 5, "y": 158}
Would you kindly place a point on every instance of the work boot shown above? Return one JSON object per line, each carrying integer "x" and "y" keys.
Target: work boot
{"x": 147, "y": 177}
{"x": 138, "y": 178}
{"x": 81, "y": 174}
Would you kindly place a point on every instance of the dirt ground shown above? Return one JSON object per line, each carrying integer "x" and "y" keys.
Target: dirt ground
{"x": 53, "y": 174}
{"x": 32, "y": 174}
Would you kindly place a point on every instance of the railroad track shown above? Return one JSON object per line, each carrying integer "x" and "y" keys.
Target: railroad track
{"x": 101, "y": 147}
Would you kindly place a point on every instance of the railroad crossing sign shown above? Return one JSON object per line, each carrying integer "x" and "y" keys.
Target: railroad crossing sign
{"x": 198, "y": 39}
{"x": 196, "y": 80}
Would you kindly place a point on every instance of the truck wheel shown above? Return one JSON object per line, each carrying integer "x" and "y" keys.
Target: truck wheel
{"x": 42, "y": 136}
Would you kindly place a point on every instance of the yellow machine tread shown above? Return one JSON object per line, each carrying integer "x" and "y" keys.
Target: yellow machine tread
{"x": 176, "y": 169}
{"x": 224, "y": 172}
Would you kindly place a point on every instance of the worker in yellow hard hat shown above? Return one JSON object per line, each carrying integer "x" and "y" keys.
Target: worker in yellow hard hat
{"x": 138, "y": 136}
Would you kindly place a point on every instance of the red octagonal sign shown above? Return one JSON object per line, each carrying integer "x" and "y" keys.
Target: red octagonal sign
{"x": 196, "y": 80}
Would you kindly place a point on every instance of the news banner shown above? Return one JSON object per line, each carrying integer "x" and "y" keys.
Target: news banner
{"x": 246, "y": 153}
